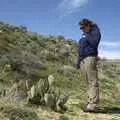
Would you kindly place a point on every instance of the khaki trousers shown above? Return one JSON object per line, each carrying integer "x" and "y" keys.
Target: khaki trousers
{"x": 90, "y": 74}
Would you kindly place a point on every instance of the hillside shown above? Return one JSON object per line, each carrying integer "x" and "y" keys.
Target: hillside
{"x": 28, "y": 56}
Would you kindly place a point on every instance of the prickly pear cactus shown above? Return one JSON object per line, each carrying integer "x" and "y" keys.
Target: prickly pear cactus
{"x": 18, "y": 91}
{"x": 37, "y": 92}
{"x": 45, "y": 93}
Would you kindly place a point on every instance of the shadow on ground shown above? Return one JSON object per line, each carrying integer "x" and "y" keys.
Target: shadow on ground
{"x": 108, "y": 110}
{"x": 111, "y": 110}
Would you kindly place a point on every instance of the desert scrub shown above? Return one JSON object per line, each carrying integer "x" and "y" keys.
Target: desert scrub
{"x": 18, "y": 113}
{"x": 14, "y": 111}
{"x": 63, "y": 117}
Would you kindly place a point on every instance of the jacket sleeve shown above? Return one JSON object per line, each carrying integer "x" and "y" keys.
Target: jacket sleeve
{"x": 79, "y": 58}
{"x": 92, "y": 38}
{"x": 81, "y": 46}
{"x": 78, "y": 62}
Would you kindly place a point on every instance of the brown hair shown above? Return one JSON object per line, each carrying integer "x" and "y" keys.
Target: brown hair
{"x": 86, "y": 23}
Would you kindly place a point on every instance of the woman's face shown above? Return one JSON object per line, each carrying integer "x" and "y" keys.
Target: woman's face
{"x": 84, "y": 26}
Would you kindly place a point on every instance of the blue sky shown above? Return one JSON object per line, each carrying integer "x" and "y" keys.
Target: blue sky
{"x": 62, "y": 17}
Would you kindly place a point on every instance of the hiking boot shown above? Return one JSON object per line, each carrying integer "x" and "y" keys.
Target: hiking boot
{"x": 96, "y": 110}
{"x": 91, "y": 109}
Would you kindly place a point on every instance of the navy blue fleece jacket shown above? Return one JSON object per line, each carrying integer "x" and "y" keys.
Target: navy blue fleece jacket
{"x": 88, "y": 44}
